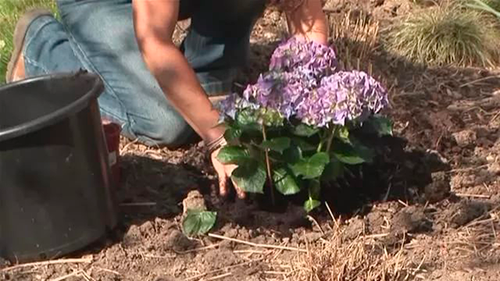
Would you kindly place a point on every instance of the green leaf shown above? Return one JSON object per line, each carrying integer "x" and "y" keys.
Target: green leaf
{"x": 247, "y": 121}
{"x": 352, "y": 154}
{"x": 381, "y": 125}
{"x": 304, "y": 130}
{"x": 232, "y": 154}
{"x": 292, "y": 155}
{"x": 250, "y": 176}
{"x": 198, "y": 222}
{"x": 310, "y": 168}
{"x": 303, "y": 144}
{"x": 311, "y": 204}
{"x": 232, "y": 133}
{"x": 334, "y": 170}
{"x": 277, "y": 144}
{"x": 285, "y": 181}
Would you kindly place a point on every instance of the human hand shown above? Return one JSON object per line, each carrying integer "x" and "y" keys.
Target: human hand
{"x": 224, "y": 172}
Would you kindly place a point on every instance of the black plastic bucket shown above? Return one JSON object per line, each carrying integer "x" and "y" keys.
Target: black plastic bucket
{"x": 56, "y": 194}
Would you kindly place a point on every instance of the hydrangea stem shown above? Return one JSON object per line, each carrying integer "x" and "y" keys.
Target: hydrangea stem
{"x": 268, "y": 166}
{"x": 330, "y": 138}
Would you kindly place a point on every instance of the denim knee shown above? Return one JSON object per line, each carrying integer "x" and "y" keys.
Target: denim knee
{"x": 170, "y": 132}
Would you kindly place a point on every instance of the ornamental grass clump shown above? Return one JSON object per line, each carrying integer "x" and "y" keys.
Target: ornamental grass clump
{"x": 447, "y": 34}
{"x": 294, "y": 128}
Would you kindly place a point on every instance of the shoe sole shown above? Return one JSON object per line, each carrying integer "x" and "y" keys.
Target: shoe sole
{"x": 19, "y": 37}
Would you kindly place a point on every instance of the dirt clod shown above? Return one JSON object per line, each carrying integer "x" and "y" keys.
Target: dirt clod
{"x": 177, "y": 241}
{"x": 355, "y": 228}
{"x": 439, "y": 188}
{"x": 411, "y": 219}
{"x": 465, "y": 137}
{"x": 466, "y": 211}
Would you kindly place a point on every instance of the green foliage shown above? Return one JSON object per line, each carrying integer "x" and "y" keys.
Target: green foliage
{"x": 447, "y": 34}
{"x": 300, "y": 157}
{"x": 198, "y": 222}
{"x": 490, "y": 6}
{"x": 311, "y": 167}
{"x": 10, "y": 11}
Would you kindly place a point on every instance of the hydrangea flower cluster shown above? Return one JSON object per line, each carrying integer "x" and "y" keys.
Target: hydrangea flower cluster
{"x": 312, "y": 58}
{"x": 343, "y": 96}
{"x": 303, "y": 84}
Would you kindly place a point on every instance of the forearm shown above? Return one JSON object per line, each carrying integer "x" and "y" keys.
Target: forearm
{"x": 178, "y": 80}
{"x": 154, "y": 23}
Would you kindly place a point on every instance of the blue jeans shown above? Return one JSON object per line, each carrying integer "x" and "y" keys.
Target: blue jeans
{"x": 98, "y": 36}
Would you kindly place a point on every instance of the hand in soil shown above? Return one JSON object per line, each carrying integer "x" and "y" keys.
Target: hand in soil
{"x": 224, "y": 172}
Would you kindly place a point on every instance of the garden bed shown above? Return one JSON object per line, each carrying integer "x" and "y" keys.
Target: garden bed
{"x": 427, "y": 209}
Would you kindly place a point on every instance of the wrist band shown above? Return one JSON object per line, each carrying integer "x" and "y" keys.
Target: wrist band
{"x": 216, "y": 144}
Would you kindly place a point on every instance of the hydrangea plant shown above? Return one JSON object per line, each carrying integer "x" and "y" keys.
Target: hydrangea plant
{"x": 292, "y": 129}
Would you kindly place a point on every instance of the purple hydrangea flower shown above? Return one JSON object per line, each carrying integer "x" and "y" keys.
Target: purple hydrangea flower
{"x": 318, "y": 59}
{"x": 343, "y": 96}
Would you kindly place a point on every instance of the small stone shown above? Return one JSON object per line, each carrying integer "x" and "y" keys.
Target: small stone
{"x": 465, "y": 137}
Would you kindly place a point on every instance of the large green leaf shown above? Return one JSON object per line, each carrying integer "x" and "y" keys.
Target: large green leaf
{"x": 278, "y": 144}
{"x": 352, "y": 154}
{"x": 198, "y": 222}
{"x": 232, "y": 154}
{"x": 312, "y": 167}
{"x": 250, "y": 175}
{"x": 304, "y": 130}
{"x": 285, "y": 181}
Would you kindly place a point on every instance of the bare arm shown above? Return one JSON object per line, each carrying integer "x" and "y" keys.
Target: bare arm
{"x": 154, "y": 23}
{"x": 307, "y": 20}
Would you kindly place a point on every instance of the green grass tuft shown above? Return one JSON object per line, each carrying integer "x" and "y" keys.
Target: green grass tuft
{"x": 10, "y": 11}
{"x": 445, "y": 35}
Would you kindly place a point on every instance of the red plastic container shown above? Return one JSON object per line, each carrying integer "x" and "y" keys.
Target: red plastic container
{"x": 112, "y": 134}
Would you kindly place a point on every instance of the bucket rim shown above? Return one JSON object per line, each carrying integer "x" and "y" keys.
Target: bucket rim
{"x": 56, "y": 116}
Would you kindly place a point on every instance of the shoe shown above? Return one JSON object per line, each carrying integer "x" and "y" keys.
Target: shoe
{"x": 18, "y": 41}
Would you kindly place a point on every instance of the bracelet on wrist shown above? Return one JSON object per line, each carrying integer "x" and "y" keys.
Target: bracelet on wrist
{"x": 215, "y": 144}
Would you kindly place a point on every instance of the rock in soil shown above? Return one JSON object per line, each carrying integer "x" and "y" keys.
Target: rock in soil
{"x": 465, "y": 138}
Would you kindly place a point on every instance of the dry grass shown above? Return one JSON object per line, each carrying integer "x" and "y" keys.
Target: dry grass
{"x": 447, "y": 34}
{"x": 355, "y": 39}
{"x": 362, "y": 258}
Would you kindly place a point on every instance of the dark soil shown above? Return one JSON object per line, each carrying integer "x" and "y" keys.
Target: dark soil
{"x": 432, "y": 190}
